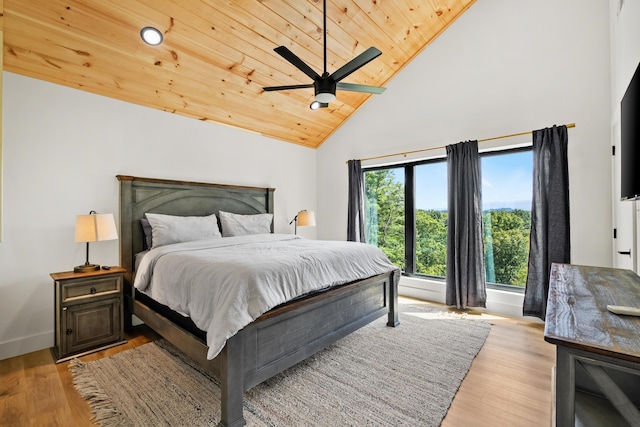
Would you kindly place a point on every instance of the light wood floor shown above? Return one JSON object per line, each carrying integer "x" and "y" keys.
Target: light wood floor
{"x": 509, "y": 383}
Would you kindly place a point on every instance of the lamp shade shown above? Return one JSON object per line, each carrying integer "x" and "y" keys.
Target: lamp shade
{"x": 306, "y": 219}
{"x": 95, "y": 227}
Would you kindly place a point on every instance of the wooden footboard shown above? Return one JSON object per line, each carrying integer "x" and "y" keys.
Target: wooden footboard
{"x": 283, "y": 336}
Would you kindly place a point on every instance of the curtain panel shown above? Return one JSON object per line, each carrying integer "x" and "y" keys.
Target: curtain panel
{"x": 550, "y": 230}
{"x": 356, "y": 204}
{"x": 465, "y": 281}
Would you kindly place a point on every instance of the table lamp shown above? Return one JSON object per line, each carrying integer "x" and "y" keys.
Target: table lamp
{"x": 94, "y": 227}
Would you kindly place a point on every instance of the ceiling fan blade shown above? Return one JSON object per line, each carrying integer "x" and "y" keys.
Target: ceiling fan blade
{"x": 297, "y": 62}
{"x": 361, "y": 88}
{"x": 273, "y": 88}
{"x": 357, "y": 62}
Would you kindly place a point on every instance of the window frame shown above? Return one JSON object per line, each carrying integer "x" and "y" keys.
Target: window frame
{"x": 410, "y": 211}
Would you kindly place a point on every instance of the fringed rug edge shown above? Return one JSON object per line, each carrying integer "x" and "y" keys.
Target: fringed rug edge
{"x": 105, "y": 412}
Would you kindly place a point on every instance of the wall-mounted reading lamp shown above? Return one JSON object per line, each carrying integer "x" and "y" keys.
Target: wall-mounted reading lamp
{"x": 303, "y": 219}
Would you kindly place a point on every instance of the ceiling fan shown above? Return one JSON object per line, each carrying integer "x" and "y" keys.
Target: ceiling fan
{"x": 325, "y": 85}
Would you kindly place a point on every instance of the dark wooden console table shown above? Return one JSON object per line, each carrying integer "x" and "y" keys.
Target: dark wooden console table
{"x": 597, "y": 376}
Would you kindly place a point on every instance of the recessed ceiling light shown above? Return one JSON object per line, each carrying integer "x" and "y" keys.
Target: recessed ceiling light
{"x": 151, "y": 36}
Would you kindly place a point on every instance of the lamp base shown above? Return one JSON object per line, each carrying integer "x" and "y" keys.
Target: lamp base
{"x": 85, "y": 268}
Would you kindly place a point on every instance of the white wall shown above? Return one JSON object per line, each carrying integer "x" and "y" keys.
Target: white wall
{"x": 62, "y": 151}
{"x": 503, "y": 67}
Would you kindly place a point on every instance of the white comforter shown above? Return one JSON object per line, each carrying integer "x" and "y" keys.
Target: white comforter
{"x": 224, "y": 284}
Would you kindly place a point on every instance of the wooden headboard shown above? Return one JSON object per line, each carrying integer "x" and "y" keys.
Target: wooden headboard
{"x": 141, "y": 195}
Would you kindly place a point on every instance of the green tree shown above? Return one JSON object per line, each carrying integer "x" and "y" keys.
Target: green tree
{"x": 507, "y": 245}
{"x": 385, "y": 214}
{"x": 431, "y": 242}
{"x": 506, "y": 233}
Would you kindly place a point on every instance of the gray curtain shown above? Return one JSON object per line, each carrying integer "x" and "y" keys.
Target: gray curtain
{"x": 549, "y": 240}
{"x": 355, "y": 212}
{"x": 465, "y": 252}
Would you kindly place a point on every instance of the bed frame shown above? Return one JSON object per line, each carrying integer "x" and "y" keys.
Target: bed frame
{"x": 276, "y": 340}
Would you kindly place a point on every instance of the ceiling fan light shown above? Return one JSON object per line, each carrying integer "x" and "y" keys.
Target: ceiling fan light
{"x": 316, "y": 105}
{"x": 151, "y": 36}
{"x": 325, "y": 97}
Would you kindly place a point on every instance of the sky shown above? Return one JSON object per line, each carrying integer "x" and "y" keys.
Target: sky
{"x": 507, "y": 182}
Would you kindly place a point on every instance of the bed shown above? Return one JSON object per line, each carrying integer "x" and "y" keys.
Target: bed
{"x": 277, "y": 339}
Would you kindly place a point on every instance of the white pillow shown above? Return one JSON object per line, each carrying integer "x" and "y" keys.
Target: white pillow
{"x": 167, "y": 229}
{"x": 242, "y": 225}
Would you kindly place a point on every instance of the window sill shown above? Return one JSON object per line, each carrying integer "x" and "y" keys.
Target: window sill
{"x": 499, "y": 301}
{"x": 441, "y": 280}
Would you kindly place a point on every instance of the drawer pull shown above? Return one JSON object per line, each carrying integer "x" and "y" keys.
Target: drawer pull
{"x": 93, "y": 290}
{"x": 69, "y": 331}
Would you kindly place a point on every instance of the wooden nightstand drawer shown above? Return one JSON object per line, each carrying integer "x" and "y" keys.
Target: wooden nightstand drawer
{"x": 91, "y": 288}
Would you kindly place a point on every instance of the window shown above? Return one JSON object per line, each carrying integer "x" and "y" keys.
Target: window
{"x": 507, "y": 187}
{"x": 384, "y": 190}
{"x": 406, "y": 215}
{"x": 431, "y": 218}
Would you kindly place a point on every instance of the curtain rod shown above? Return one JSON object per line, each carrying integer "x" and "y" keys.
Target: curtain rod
{"x": 404, "y": 153}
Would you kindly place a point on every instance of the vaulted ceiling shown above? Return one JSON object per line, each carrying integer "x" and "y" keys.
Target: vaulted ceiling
{"x": 218, "y": 55}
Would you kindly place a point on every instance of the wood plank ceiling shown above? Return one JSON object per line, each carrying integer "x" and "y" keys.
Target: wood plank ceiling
{"x": 217, "y": 55}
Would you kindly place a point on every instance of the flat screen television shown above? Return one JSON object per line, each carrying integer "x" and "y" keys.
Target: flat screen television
{"x": 630, "y": 140}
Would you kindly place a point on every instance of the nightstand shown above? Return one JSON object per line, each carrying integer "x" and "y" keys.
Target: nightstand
{"x": 88, "y": 312}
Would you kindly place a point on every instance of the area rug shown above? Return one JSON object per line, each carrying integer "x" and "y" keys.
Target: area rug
{"x": 377, "y": 376}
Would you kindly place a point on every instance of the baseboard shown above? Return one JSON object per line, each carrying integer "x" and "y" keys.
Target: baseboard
{"x": 26, "y": 345}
